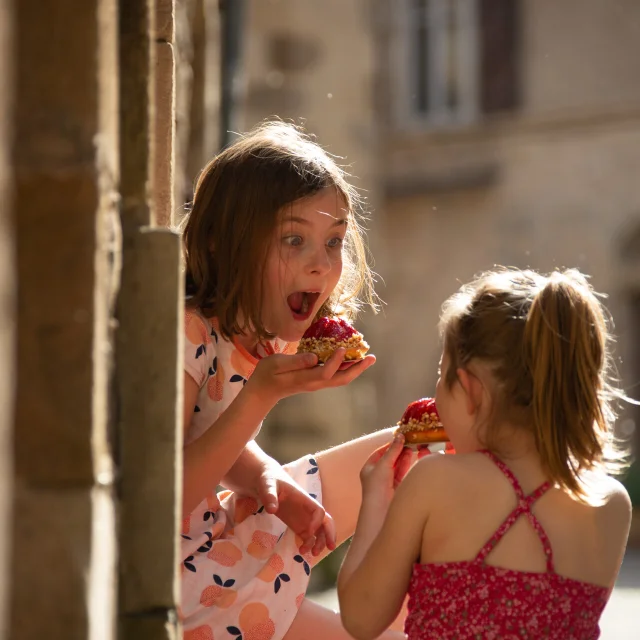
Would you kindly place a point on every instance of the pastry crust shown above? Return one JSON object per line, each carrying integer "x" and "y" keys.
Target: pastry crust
{"x": 340, "y": 334}
{"x": 425, "y": 437}
{"x": 421, "y": 424}
{"x": 324, "y": 348}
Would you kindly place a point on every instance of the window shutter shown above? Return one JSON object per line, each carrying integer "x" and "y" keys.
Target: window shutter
{"x": 500, "y": 42}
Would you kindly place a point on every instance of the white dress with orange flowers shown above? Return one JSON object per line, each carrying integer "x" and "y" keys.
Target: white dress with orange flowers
{"x": 242, "y": 573}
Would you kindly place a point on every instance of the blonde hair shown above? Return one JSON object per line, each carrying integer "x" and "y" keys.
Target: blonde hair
{"x": 546, "y": 341}
{"x": 238, "y": 199}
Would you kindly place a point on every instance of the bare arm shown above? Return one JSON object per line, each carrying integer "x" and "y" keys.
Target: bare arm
{"x": 374, "y": 578}
{"x": 208, "y": 459}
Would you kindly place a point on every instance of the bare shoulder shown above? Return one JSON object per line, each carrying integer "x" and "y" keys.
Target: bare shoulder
{"x": 611, "y": 506}
{"x": 445, "y": 468}
{"x": 616, "y": 497}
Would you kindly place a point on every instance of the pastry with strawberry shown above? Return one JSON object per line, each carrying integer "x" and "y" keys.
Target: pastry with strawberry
{"x": 420, "y": 423}
{"x": 326, "y": 335}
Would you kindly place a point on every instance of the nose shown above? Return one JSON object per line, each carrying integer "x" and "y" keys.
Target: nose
{"x": 319, "y": 261}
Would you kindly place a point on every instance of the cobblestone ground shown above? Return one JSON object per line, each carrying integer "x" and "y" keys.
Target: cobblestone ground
{"x": 621, "y": 618}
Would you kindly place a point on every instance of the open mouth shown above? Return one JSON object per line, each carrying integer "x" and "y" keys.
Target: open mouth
{"x": 302, "y": 303}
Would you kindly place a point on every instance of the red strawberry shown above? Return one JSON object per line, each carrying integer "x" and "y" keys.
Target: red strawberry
{"x": 330, "y": 328}
{"x": 417, "y": 409}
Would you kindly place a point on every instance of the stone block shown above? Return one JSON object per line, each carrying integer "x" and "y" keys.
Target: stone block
{"x": 51, "y": 563}
{"x": 164, "y": 134}
{"x": 165, "y": 21}
{"x": 56, "y": 235}
{"x": 159, "y": 625}
{"x": 7, "y": 312}
{"x": 149, "y": 387}
{"x": 56, "y": 90}
{"x": 136, "y": 112}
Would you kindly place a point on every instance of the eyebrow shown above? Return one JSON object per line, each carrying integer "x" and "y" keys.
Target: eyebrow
{"x": 338, "y": 223}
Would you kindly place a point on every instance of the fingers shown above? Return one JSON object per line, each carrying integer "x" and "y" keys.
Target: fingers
{"x": 268, "y": 493}
{"x": 283, "y": 363}
{"x": 307, "y": 545}
{"x": 377, "y": 454}
{"x": 423, "y": 450}
{"x": 352, "y": 371}
{"x": 320, "y": 543}
{"x": 346, "y": 364}
{"x": 388, "y": 453}
{"x": 330, "y": 531}
{"x": 402, "y": 466}
{"x": 394, "y": 451}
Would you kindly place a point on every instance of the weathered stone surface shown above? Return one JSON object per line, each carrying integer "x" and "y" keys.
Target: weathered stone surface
{"x": 136, "y": 111}
{"x": 165, "y": 21}
{"x": 50, "y": 562}
{"x": 56, "y": 83}
{"x": 160, "y": 625}
{"x": 64, "y": 156}
{"x": 55, "y": 331}
{"x": 164, "y": 133}
{"x": 7, "y": 311}
{"x": 148, "y": 385}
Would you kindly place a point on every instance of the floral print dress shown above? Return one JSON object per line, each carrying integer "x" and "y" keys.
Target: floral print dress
{"x": 242, "y": 575}
{"x": 474, "y": 600}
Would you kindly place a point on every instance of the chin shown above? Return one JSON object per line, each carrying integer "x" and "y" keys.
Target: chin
{"x": 292, "y": 334}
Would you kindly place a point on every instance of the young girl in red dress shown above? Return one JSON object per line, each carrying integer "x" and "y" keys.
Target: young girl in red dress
{"x": 521, "y": 533}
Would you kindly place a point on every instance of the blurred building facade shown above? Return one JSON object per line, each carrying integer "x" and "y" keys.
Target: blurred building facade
{"x": 482, "y": 132}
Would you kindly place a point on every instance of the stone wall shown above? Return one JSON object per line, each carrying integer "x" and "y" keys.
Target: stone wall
{"x": 91, "y": 403}
{"x": 65, "y": 170}
{"x": 7, "y": 306}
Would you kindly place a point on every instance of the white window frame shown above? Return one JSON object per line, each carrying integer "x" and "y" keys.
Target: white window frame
{"x": 404, "y": 64}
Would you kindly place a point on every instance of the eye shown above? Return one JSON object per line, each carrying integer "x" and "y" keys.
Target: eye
{"x": 293, "y": 241}
{"x": 335, "y": 242}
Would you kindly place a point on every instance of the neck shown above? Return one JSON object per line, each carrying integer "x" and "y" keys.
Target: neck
{"x": 249, "y": 342}
{"x": 515, "y": 442}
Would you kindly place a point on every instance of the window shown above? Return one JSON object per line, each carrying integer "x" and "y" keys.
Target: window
{"x": 454, "y": 60}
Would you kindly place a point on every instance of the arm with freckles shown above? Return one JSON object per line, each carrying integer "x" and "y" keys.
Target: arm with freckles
{"x": 374, "y": 578}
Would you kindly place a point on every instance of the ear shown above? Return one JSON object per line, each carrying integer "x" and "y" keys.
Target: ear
{"x": 473, "y": 390}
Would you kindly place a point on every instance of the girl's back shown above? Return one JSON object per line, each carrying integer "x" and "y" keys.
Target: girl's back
{"x": 526, "y": 549}
{"x": 503, "y": 552}
{"x": 475, "y": 497}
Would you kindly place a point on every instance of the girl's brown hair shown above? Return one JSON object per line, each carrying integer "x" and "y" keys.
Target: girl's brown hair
{"x": 238, "y": 199}
{"x": 546, "y": 341}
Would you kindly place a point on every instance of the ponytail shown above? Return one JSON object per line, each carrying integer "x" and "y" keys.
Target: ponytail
{"x": 565, "y": 351}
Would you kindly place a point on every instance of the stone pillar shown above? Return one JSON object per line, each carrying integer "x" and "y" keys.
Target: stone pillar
{"x": 165, "y": 113}
{"x": 148, "y": 346}
{"x": 7, "y": 308}
{"x": 197, "y": 92}
{"x": 65, "y": 169}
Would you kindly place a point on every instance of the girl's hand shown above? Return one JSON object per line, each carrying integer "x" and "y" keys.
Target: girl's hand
{"x": 306, "y": 517}
{"x": 384, "y": 470}
{"x": 278, "y": 376}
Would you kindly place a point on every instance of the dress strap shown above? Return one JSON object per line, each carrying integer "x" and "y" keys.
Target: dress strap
{"x": 523, "y": 508}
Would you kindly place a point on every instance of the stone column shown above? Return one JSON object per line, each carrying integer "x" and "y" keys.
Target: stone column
{"x": 165, "y": 106}
{"x": 7, "y": 308}
{"x": 148, "y": 345}
{"x": 65, "y": 170}
{"x": 197, "y": 92}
